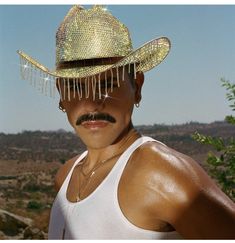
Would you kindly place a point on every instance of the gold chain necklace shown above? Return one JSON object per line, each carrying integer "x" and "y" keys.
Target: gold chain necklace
{"x": 90, "y": 174}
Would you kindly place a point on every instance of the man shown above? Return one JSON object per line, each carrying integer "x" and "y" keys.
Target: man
{"x": 124, "y": 186}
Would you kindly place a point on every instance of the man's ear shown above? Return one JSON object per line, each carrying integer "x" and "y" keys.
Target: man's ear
{"x": 61, "y": 107}
{"x": 138, "y": 86}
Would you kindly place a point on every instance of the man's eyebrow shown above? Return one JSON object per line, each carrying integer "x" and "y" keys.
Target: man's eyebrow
{"x": 70, "y": 82}
{"x": 108, "y": 79}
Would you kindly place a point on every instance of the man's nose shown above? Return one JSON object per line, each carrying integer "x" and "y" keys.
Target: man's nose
{"x": 92, "y": 102}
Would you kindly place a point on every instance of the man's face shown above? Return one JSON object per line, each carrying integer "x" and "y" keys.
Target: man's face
{"x": 102, "y": 122}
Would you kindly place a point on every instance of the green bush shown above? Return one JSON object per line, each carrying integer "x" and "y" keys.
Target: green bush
{"x": 31, "y": 187}
{"x": 34, "y": 205}
{"x": 221, "y": 166}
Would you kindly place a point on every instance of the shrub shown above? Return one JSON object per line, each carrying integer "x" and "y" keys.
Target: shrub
{"x": 34, "y": 205}
{"x": 221, "y": 166}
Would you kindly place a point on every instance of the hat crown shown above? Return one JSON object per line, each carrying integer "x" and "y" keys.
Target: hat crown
{"x": 90, "y": 34}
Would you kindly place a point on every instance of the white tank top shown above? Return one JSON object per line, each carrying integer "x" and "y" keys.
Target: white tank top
{"x": 99, "y": 216}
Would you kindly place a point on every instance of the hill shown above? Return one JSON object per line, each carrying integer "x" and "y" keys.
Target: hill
{"x": 50, "y": 146}
{"x": 30, "y": 159}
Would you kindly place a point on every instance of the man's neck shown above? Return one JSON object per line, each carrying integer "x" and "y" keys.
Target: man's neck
{"x": 96, "y": 156}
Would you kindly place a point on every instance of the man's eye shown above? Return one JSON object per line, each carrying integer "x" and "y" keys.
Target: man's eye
{"x": 73, "y": 87}
{"x": 76, "y": 87}
{"x": 108, "y": 86}
{"x": 82, "y": 87}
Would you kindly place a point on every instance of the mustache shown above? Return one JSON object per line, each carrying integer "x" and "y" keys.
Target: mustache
{"x": 95, "y": 117}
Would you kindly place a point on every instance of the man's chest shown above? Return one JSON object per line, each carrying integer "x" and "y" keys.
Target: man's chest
{"x": 134, "y": 197}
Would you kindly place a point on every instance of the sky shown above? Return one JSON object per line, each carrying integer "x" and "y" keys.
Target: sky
{"x": 185, "y": 87}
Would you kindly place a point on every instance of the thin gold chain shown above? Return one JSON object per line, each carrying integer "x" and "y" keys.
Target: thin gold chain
{"x": 97, "y": 165}
{"x": 89, "y": 175}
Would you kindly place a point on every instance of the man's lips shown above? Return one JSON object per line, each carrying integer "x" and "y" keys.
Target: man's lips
{"x": 94, "y": 124}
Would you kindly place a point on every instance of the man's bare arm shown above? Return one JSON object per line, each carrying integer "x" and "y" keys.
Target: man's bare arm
{"x": 207, "y": 213}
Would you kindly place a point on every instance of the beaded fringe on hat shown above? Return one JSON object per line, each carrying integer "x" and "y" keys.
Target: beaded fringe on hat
{"x": 42, "y": 81}
{"x": 91, "y": 85}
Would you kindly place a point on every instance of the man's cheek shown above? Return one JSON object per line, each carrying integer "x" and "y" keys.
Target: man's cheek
{"x": 72, "y": 120}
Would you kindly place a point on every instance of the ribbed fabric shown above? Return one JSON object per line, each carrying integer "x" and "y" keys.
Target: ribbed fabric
{"x": 99, "y": 216}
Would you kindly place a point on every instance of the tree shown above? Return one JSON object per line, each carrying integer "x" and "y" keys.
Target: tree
{"x": 221, "y": 164}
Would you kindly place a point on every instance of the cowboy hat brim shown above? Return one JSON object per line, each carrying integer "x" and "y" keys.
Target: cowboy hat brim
{"x": 145, "y": 57}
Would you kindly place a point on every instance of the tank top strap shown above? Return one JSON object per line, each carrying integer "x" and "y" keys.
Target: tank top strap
{"x": 121, "y": 163}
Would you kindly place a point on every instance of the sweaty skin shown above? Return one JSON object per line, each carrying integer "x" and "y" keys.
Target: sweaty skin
{"x": 160, "y": 188}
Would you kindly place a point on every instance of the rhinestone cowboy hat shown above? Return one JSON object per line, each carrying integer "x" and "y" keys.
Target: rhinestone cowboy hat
{"x": 90, "y": 42}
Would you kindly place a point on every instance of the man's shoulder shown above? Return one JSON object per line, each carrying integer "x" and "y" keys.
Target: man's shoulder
{"x": 63, "y": 172}
{"x": 171, "y": 170}
{"x": 155, "y": 153}
{"x": 171, "y": 178}
{"x": 180, "y": 187}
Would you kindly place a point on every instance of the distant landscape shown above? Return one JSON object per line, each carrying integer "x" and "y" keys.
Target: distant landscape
{"x": 29, "y": 161}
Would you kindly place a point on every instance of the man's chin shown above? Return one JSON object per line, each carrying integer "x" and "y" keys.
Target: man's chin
{"x": 96, "y": 137}
{"x": 97, "y": 143}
